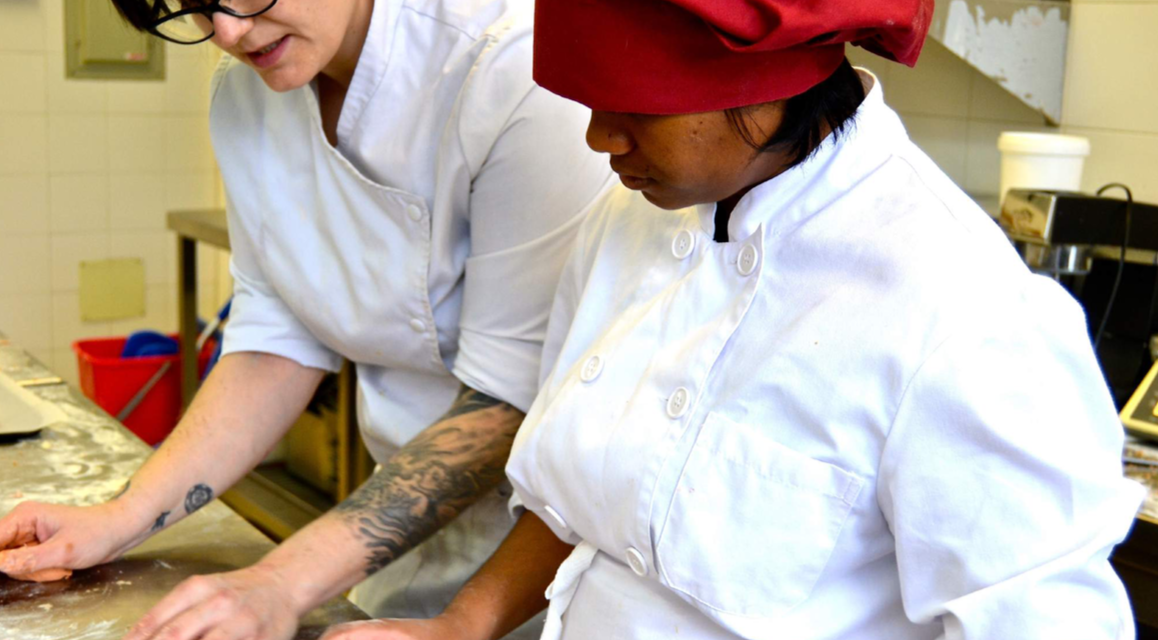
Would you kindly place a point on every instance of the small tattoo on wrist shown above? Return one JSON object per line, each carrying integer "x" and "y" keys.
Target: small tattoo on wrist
{"x": 160, "y": 523}
{"x": 199, "y": 496}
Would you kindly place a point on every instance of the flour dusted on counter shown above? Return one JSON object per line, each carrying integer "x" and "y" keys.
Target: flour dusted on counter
{"x": 58, "y": 628}
{"x": 82, "y": 458}
{"x": 70, "y": 470}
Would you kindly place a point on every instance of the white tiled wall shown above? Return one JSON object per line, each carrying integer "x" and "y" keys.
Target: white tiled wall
{"x": 1111, "y": 88}
{"x": 87, "y": 170}
{"x": 1111, "y": 93}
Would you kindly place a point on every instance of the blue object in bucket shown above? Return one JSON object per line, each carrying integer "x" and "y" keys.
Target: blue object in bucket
{"x": 214, "y": 329}
{"x": 152, "y": 343}
{"x": 149, "y": 343}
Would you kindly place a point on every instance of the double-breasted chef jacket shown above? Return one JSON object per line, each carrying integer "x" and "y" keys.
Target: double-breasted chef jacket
{"x": 425, "y": 247}
{"x": 861, "y": 417}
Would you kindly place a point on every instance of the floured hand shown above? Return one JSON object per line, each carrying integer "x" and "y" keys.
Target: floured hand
{"x": 69, "y": 538}
{"x": 43, "y": 575}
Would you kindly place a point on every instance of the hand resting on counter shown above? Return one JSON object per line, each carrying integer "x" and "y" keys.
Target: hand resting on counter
{"x": 39, "y": 538}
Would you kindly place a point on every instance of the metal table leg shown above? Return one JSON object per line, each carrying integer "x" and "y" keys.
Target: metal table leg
{"x": 187, "y": 316}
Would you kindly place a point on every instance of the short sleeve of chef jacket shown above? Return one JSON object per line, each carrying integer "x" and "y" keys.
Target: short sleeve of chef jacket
{"x": 259, "y": 320}
{"x": 532, "y": 180}
{"x": 1006, "y": 432}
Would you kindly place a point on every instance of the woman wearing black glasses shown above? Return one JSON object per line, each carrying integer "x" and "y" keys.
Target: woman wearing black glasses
{"x": 400, "y": 194}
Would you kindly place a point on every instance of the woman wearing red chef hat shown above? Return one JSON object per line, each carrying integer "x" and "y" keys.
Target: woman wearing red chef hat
{"x": 796, "y": 385}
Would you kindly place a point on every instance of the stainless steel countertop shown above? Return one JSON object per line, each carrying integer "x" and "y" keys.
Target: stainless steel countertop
{"x": 85, "y": 460}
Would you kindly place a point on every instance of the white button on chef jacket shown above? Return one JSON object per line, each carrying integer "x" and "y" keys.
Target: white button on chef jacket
{"x": 747, "y": 260}
{"x": 592, "y": 368}
{"x": 898, "y": 431}
{"x": 677, "y": 403}
{"x": 683, "y": 244}
{"x": 425, "y": 247}
{"x": 636, "y": 562}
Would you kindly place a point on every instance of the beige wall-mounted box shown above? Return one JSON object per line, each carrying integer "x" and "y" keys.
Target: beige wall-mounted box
{"x": 100, "y": 44}
{"x": 112, "y": 289}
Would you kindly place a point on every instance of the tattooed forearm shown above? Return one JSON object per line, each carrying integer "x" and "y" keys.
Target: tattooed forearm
{"x": 469, "y": 401}
{"x": 434, "y": 477}
{"x": 199, "y": 496}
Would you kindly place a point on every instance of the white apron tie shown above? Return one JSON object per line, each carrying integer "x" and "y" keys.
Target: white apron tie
{"x": 562, "y": 590}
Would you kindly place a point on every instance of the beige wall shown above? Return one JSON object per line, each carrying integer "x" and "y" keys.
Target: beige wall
{"x": 1111, "y": 97}
{"x": 87, "y": 171}
{"x": 1111, "y": 93}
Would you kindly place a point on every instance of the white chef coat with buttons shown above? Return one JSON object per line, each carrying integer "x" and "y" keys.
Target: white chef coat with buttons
{"x": 862, "y": 417}
{"x": 425, "y": 247}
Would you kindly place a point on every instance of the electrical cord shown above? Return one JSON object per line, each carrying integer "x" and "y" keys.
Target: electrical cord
{"x": 1121, "y": 259}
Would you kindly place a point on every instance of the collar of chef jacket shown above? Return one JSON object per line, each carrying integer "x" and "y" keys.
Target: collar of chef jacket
{"x": 788, "y": 199}
{"x": 371, "y": 67}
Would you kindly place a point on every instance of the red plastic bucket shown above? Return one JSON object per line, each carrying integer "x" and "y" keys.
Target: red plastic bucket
{"x": 111, "y": 381}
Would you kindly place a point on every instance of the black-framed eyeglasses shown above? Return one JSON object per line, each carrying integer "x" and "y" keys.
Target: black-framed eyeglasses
{"x": 191, "y": 21}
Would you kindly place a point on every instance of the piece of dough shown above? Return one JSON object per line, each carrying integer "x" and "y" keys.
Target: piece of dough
{"x": 44, "y": 575}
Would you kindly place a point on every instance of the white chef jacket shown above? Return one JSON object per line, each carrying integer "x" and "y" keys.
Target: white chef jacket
{"x": 425, "y": 247}
{"x": 862, "y": 418}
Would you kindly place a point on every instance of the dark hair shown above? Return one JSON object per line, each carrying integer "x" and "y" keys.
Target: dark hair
{"x": 832, "y": 102}
{"x": 139, "y": 13}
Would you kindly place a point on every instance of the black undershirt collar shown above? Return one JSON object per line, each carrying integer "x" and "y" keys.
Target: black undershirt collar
{"x": 723, "y": 214}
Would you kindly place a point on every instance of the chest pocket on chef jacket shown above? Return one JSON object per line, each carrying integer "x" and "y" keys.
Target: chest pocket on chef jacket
{"x": 752, "y": 523}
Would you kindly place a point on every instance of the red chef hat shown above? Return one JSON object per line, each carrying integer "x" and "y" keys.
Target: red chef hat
{"x": 688, "y": 56}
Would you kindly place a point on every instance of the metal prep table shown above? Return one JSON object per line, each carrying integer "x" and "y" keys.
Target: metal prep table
{"x": 274, "y": 507}
{"x": 84, "y": 460}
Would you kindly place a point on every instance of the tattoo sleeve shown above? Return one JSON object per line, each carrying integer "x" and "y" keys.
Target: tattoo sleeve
{"x": 434, "y": 477}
